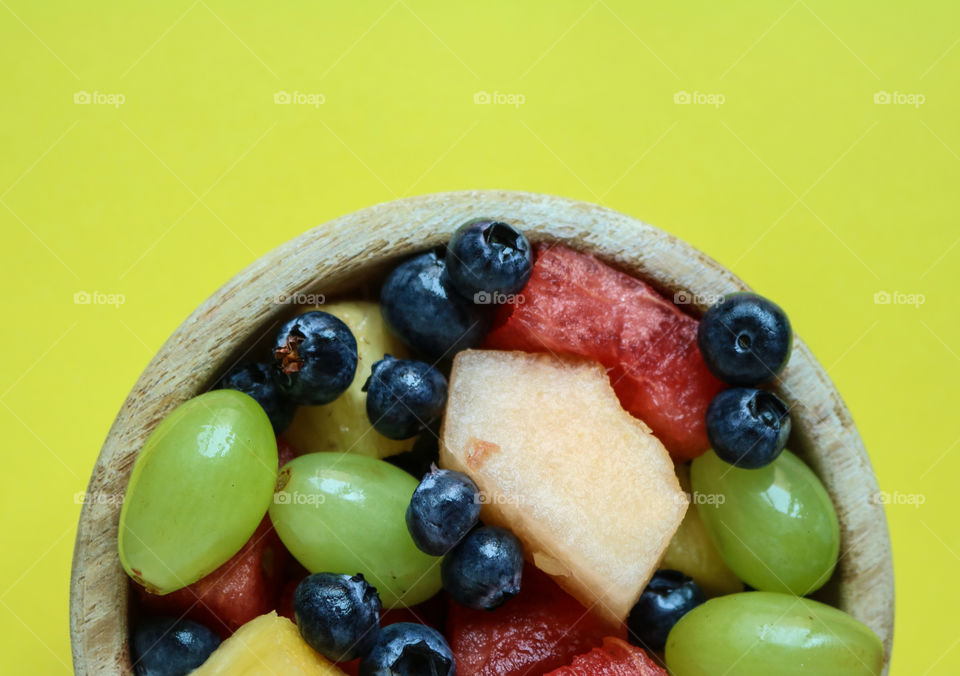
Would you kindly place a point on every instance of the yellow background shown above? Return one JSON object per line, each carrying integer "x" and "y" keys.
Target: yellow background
{"x": 798, "y": 181}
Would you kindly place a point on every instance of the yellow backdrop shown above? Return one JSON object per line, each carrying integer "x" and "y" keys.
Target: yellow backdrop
{"x": 151, "y": 150}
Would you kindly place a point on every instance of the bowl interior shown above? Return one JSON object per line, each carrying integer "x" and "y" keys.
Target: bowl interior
{"x": 353, "y": 253}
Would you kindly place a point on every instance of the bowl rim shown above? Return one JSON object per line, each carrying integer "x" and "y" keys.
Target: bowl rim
{"x": 326, "y": 258}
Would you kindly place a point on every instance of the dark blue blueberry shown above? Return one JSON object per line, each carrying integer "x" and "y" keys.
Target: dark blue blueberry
{"x": 443, "y": 509}
{"x": 669, "y": 596}
{"x": 488, "y": 259}
{"x": 165, "y": 646}
{"x": 745, "y": 339}
{"x": 484, "y": 571}
{"x": 748, "y": 427}
{"x": 257, "y": 380}
{"x": 417, "y": 461}
{"x": 338, "y": 615}
{"x": 408, "y": 649}
{"x": 421, "y": 306}
{"x": 404, "y": 396}
{"x": 315, "y": 355}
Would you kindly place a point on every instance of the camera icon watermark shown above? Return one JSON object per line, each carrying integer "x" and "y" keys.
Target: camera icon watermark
{"x": 98, "y": 298}
{"x": 485, "y": 98}
{"x": 899, "y": 298}
{"x": 85, "y": 98}
{"x": 914, "y": 500}
{"x": 685, "y": 98}
{"x": 300, "y": 299}
{"x": 699, "y": 299}
{"x": 885, "y": 98}
{"x": 298, "y": 498}
{"x": 484, "y": 498}
{"x": 497, "y": 298}
{"x": 298, "y": 98}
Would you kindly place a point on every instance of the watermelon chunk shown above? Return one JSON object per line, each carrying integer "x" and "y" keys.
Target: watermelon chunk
{"x": 245, "y": 587}
{"x": 615, "y": 658}
{"x": 540, "y": 629}
{"x": 575, "y": 304}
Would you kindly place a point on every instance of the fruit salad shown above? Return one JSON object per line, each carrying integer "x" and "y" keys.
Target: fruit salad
{"x": 520, "y": 460}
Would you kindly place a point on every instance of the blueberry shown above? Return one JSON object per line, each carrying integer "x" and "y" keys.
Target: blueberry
{"x": 408, "y": 649}
{"x": 484, "y": 570}
{"x": 315, "y": 355}
{"x": 166, "y": 646}
{"x": 404, "y": 396}
{"x": 257, "y": 381}
{"x": 338, "y": 615}
{"x": 669, "y": 596}
{"x": 748, "y": 427}
{"x": 420, "y": 305}
{"x": 443, "y": 509}
{"x": 745, "y": 339}
{"x": 417, "y": 461}
{"x": 487, "y": 259}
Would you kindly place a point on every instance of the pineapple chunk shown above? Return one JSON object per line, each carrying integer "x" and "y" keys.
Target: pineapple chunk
{"x": 692, "y": 551}
{"x": 266, "y": 646}
{"x": 342, "y": 425}
{"x": 586, "y": 487}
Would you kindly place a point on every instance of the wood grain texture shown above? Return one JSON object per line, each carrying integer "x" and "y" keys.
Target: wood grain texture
{"x": 332, "y": 257}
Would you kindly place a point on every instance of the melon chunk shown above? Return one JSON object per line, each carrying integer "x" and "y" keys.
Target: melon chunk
{"x": 267, "y": 646}
{"x": 587, "y": 488}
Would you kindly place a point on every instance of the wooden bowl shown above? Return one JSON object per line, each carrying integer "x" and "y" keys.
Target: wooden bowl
{"x": 342, "y": 253}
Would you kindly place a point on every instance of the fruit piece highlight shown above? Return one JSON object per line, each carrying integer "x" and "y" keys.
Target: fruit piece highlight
{"x": 762, "y": 633}
{"x": 267, "y": 646}
{"x": 345, "y": 513}
{"x": 586, "y": 487}
{"x": 198, "y": 489}
{"x": 574, "y": 304}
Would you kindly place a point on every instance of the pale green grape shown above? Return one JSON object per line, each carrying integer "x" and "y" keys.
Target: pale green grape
{"x": 775, "y": 526}
{"x": 344, "y": 513}
{"x": 199, "y": 488}
{"x": 764, "y": 633}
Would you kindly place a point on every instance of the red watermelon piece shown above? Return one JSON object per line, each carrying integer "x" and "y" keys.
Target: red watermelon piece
{"x": 245, "y": 587}
{"x": 541, "y": 629}
{"x": 615, "y": 658}
{"x": 575, "y": 304}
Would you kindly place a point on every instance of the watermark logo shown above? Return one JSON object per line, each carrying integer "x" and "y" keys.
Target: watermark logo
{"x": 85, "y": 98}
{"x": 897, "y": 498}
{"x": 300, "y": 299}
{"x": 298, "y": 498}
{"x": 698, "y": 498}
{"x": 885, "y": 98}
{"x": 83, "y": 498}
{"x": 497, "y": 298}
{"x": 701, "y": 299}
{"x": 98, "y": 298}
{"x": 899, "y": 298}
{"x": 296, "y": 98}
{"x": 485, "y": 98}
{"x": 685, "y": 98}
{"x": 484, "y": 498}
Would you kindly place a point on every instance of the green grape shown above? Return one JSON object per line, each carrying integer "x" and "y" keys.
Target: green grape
{"x": 775, "y": 527}
{"x": 345, "y": 513}
{"x": 200, "y": 486}
{"x": 762, "y": 633}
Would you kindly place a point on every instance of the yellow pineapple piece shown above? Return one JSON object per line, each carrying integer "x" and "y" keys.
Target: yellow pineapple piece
{"x": 692, "y": 552}
{"x": 342, "y": 425}
{"x": 586, "y": 487}
{"x": 268, "y": 645}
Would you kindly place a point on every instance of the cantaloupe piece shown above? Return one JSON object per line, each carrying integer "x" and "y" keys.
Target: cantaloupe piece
{"x": 267, "y": 646}
{"x": 586, "y": 487}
